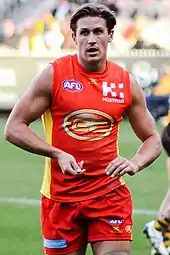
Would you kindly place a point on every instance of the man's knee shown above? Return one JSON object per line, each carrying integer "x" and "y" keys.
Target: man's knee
{"x": 111, "y": 248}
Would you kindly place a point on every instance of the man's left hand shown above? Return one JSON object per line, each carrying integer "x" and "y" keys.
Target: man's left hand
{"x": 121, "y": 166}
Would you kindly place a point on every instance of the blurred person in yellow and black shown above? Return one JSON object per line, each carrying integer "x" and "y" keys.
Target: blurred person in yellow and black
{"x": 158, "y": 231}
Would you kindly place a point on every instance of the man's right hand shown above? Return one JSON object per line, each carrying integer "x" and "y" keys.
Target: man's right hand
{"x": 68, "y": 164}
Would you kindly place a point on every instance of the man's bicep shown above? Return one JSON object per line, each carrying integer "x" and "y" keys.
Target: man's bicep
{"x": 139, "y": 117}
{"x": 36, "y": 100}
{"x": 142, "y": 122}
{"x": 30, "y": 107}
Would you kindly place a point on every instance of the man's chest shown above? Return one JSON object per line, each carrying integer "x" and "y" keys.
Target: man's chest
{"x": 106, "y": 95}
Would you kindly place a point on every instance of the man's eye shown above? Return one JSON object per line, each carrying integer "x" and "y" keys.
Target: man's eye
{"x": 98, "y": 32}
{"x": 84, "y": 33}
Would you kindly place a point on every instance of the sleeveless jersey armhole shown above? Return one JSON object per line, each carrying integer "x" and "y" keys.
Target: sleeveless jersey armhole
{"x": 55, "y": 86}
{"x": 126, "y": 80}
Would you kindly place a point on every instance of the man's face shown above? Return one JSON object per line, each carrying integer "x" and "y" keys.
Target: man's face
{"x": 92, "y": 39}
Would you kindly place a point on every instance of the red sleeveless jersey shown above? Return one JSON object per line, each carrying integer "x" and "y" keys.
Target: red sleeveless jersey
{"x": 83, "y": 120}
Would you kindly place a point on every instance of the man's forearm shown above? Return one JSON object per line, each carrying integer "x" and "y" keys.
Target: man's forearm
{"x": 148, "y": 152}
{"x": 23, "y": 137}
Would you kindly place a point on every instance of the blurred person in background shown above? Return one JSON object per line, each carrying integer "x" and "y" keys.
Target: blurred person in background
{"x": 62, "y": 9}
{"x": 82, "y": 98}
{"x": 53, "y": 38}
{"x": 159, "y": 26}
{"x": 37, "y": 44}
{"x": 158, "y": 231}
{"x": 158, "y": 102}
{"x": 41, "y": 25}
{"x": 62, "y": 14}
{"x": 68, "y": 43}
{"x": 46, "y": 34}
{"x": 150, "y": 80}
{"x": 9, "y": 36}
{"x": 26, "y": 39}
{"x": 127, "y": 34}
{"x": 112, "y": 5}
{"x": 163, "y": 87}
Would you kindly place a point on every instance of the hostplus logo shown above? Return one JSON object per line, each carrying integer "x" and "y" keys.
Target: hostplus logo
{"x": 113, "y": 93}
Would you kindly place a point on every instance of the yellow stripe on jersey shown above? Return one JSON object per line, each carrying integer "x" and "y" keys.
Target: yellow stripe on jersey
{"x": 121, "y": 179}
{"x": 48, "y": 127}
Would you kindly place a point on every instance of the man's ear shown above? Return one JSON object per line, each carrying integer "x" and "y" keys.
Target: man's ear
{"x": 74, "y": 37}
{"x": 110, "y": 37}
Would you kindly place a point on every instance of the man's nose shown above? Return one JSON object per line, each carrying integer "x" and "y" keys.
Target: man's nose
{"x": 92, "y": 38}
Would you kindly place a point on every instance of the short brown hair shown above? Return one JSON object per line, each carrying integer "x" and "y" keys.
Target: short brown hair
{"x": 93, "y": 10}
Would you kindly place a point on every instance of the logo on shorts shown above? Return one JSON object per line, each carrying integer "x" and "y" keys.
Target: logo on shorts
{"x": 128, "y": 229}
{"x": 116, "y": 221}
{"x": 55, "y": 244}
{"x": 72, "y": 85}
{"x": 116, "y": 229}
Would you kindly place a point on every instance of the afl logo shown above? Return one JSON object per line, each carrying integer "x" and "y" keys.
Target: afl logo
{"x": 88, "y": 125}
{"x": 72, "y": 86}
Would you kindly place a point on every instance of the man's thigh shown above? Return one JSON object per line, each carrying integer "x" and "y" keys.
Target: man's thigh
{"x": 110, "y": 220}
{"x": 63, "y": 230}
{"x": 111, "y": 248}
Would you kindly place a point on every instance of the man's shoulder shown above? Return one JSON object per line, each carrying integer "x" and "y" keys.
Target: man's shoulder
{"x": 117, "y": 70}
{"x": 64, "y": 59}
{"x": 116, "y": 66}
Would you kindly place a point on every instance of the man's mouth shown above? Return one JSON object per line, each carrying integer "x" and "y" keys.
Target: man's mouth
{"x": 92, "y": 50}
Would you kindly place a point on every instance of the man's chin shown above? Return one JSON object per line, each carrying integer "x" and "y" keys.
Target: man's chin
{"x": 93, "y": 59}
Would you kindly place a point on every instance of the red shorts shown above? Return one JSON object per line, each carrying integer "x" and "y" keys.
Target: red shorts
{"x": 66, "y": 227}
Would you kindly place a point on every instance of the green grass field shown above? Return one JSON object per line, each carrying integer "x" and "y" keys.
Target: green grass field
{"x": 21, "y": 175}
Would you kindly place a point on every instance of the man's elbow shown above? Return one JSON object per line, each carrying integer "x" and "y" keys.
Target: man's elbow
{"x": 9, "y": 132}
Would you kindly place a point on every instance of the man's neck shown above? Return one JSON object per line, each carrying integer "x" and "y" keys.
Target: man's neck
{"x": 94, "y": 66}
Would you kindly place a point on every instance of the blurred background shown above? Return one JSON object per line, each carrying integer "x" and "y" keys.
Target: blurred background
{"x": 37, "y": 26}
{"x": 34, "y": 32}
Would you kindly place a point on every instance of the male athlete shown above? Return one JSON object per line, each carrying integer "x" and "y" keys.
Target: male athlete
{"x": 158, "y": 231}
{"x": 82, "y": 99}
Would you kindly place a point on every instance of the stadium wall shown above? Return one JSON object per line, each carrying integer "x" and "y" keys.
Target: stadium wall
{"x": 17, "y": 71}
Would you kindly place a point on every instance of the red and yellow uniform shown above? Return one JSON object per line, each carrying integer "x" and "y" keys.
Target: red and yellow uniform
{"x": 83, "y": 120}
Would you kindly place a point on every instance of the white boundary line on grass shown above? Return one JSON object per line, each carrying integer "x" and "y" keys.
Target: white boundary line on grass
{"x": 36, "y": 202}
